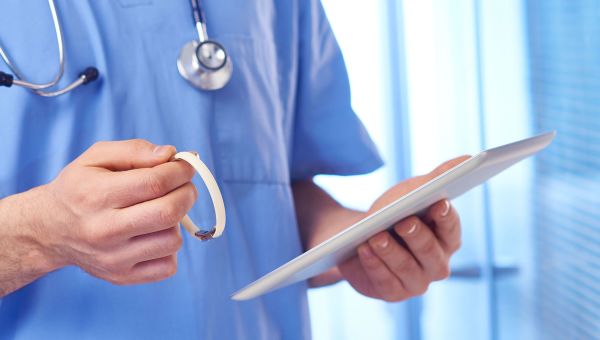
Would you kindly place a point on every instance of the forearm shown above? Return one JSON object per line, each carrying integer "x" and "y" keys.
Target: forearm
{"x": 319, "y": 218}
{"x": 22, "y": 259}
{"x": 319, "y": 215}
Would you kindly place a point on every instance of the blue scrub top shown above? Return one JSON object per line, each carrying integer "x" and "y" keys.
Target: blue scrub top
{"x": 284, "y": 116}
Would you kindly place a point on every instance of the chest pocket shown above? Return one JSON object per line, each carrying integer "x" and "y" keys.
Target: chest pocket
{"x": 249, "y": 119}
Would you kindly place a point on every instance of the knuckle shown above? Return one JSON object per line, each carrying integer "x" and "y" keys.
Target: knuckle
{"x": 154, "y": 184}
{"x": 428, "y": 246}
{"x": 102, "y": 198}
{"x": 172, "y": 268}
{"x": 423, "y": 289}
{"x": 127, "y": 224}
{"x": 456, "y": 246}
{"x": 370, "y": 264}
{"x": 384, "y": 284}
{"x": 169, "y": 214}
{"x": 443, "y": 272}
{"x": 403, "y": 264}
{"x": 190, "y": 194}
{"x": 169, "y": 244}
{"x": 174, "y": 242}
{"x": 85, "y": 193}
{"x": 455, "y": 218}
{"x": 169, "y": 269}
{"x": 95, "y": 195}
{"x": 177, "y": 242}
{"x": 186, "y": 170}
{"x": 194, "y": 192}
{"x": 89, "y": 192}
{"x": 146, "y": 253}
{"x": 451, "y": 224}
{"x": 139, "y": 144}
{"x": 98, "y": 146}
{"x": 95, "y": 236}
{"x": 111, "y": 264}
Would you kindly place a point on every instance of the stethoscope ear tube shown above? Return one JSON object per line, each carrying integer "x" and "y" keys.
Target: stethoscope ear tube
{"x": 6, "y": 79}
{"x": 89, "y": 75}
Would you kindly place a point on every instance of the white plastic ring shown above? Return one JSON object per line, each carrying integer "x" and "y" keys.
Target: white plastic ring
{"x": 193, "y": 159}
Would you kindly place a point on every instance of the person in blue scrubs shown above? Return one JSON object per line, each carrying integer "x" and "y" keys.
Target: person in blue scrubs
{"x": 89, "y": 242}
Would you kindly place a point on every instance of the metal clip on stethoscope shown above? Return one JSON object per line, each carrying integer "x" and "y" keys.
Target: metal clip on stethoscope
{"x": 204, "y": 63}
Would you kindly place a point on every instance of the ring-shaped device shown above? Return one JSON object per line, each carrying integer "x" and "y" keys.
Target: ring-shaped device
{"x": 193, "y": 159}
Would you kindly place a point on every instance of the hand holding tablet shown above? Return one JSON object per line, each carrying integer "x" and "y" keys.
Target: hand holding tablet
{"x": 450, "y": 184}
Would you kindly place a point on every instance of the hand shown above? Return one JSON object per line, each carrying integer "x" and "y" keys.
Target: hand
{"x": 385, "y": 269}
{"x": 115, "y": 210}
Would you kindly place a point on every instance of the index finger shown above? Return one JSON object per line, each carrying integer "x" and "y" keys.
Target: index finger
{"x": 157, "y": 214}
{"x": 127, "y": 188}
{"x": 125, "y": 155}
{"x": 447, "y": 165}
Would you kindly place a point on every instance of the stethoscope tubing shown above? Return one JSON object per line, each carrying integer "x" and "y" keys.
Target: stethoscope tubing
{"x": 20, "y": 79}
{"x": 199, "y": 20}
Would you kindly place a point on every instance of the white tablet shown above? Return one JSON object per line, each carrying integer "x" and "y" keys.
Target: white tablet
{"x": 451, "y": 184}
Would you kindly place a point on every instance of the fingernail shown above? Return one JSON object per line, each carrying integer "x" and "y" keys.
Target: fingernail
{"x": 382, "y": 243}
{"x": 412, "y": 229}
{"x": 366, "y": 252}
{"x": 163, "y": 150}
{"x": 446, "y": 208}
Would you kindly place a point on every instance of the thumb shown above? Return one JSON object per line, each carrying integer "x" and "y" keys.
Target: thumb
{"x": 407, "y": 186}
{"x": 447, "y": 165}
{"x": 126, "y": 155}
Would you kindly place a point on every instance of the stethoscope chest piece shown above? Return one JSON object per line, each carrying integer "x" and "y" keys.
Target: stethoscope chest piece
{"x": 206, "y": 65}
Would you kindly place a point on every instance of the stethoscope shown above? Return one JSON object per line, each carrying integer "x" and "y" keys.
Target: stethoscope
{"x": 204, "y": 63}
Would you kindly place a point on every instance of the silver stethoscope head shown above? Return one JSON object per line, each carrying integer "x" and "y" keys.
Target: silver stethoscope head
{"x": 204, "y": 63}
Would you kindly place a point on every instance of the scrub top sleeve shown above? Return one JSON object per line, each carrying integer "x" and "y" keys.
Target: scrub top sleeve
{"x": 328, "y": 136}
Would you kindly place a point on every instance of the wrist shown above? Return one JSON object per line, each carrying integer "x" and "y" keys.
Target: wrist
{"x": 329, "y": 223}
{"x": 29, "y": 230}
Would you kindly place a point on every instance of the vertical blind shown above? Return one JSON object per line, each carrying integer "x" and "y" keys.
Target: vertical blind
{"x": 564, "y": 53}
